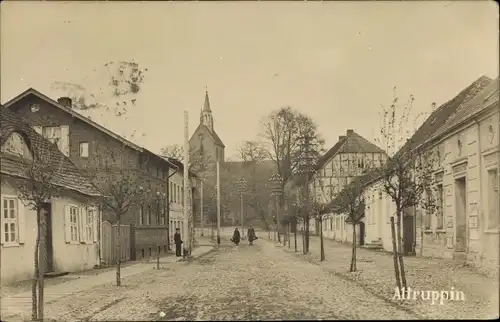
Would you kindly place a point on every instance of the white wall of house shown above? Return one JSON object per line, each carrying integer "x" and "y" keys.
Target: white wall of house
{"x": 18, "y": 241}
{"x": 477, "y": 163}
{"x": 18, "y": 244}
{"x": 176, "y": 194}
{"x": 331, "y": 179}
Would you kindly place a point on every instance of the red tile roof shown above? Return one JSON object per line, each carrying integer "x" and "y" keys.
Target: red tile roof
{"x": 68, "y": 177}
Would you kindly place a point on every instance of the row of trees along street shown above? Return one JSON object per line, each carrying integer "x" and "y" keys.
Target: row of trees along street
{"x": 289, "y": 139}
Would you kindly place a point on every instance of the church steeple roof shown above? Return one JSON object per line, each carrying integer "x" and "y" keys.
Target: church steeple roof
{"x": 206, "y": 105}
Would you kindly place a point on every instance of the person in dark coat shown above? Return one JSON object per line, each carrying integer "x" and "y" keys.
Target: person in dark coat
{"x": 178, "y": 242}
{"x": 251, "y": 235}
{"x": 236, "y": 237}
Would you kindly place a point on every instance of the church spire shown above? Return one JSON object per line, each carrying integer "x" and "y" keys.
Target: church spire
{"x": 206, "y": 113}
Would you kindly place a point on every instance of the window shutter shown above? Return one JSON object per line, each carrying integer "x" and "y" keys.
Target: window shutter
{"x": 67, "y": 224}
{"x": 65, "y": 140}
{"x": 38, "y": 129}
{"x": 82, "y": 236}
{"x": 2, "y": 240}
{"x": 95, "y": 221}
{"x": 21, "y": 222}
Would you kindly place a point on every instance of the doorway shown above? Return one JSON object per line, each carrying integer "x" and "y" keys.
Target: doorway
{"x": 49, "y": 250}
{"x": 461, "y": 216}
{"x": 361, "y": 233}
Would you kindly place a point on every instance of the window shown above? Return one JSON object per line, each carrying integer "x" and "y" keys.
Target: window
{"x": 149, "y": 216}
{"x": 14, "y": 145}
{"x": 89, "y": 225}
{"x": 428, "y": 216}
{"x": 174, "y": 187}
{"x": 73, "y": 216}
{"x": 493, "y": 199}
{"x": 84, "y": 149}
{"x": 170, "y": 193}
{"x": 361, "y": 163}
{"x": 53, "y": 134}
{"x": 10, "y": 220}
{"x": 179, "y": 194}
{"x": 182, "y": 195}
{"x": 440, "y": 206}
{"x": 141, "y": 215}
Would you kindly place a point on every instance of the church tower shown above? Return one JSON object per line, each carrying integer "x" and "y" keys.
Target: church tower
{"x": 206, "y": 117}
{"x": 205, "y": 140}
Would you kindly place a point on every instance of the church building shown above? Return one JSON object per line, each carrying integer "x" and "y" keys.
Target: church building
{"x": 205, "y": 143}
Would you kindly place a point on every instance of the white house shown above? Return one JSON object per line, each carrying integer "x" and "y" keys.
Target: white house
{"x": 346, "y": 160}
{"x": 176, "y": 196}
{"x": 464, "y": 134}
{"x": 71, "y": 219}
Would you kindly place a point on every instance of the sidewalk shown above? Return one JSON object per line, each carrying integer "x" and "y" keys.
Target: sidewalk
{"x": 18, "y": 304}
{"x": 376, "y": 274}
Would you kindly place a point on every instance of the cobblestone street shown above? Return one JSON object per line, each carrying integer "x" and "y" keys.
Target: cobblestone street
{"x": 246, "y": 283}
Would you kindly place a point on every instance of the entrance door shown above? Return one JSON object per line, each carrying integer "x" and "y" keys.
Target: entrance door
{"x": 460, "y": 211}
{"x": 361, "y": 233}
{"x": 49, "y": 251}
{"x": 408, "y": 235}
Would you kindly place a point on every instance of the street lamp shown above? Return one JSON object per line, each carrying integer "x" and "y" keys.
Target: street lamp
{"x": 242, "y": 186}
{"x": 276, "y": 185}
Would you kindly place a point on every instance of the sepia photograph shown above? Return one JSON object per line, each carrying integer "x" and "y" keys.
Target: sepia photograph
{"x": 249, "y": 160}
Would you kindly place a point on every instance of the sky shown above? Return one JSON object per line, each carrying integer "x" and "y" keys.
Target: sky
{"x": 335, "y": 61}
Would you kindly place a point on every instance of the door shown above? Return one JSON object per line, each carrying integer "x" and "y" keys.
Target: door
{"x": 49, "y": 251}
{"x": 460, "y": 211}
{"x": 361, "y": 233}
{"x": 408, "y": 235}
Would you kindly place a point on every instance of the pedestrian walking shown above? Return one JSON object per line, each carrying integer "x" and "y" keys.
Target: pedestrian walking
{"x": 236, "y": 237}
{"x": 178, "y": 242}
{"x": 251, "y": 235}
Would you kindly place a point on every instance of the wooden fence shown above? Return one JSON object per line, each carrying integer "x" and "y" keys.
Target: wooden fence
{"x": 108, "y": 252}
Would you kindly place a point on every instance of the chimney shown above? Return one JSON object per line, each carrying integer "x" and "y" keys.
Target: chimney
{"x": 349, "y": 131}
{"x": 65, "y": 101}
{"x": 341, "y": 137}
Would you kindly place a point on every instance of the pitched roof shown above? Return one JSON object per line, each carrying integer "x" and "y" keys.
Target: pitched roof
{"x": 485, "y": 98}
{"x": 68, "y": 177}
{"x": 441, "y": 115}
{"x": 178, "y": 164}
{"x": 352, "y": 143}
{"x": 213, "y": 134}
{"x": 72, "y": 112}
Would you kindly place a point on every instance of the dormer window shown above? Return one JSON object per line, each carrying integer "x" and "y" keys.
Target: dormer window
{"x": 14, "y": 145}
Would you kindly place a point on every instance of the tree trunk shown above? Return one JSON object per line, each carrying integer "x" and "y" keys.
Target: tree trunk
{"x": 400, "y": 250}
{"x": 41, "y": 264}
{"x": 304, "y": 239}
{"x": 34, "y": 283}
{"x": 353, "y": 257}
{"x": 158, "y": 257}
{"x": 118, "y": 253}
{"x": 395, "y": 254}
{"x": 295, "y": 237}
{"x": 307, "y": 233}
{"x": 322, "y": 245}
{"x": 289, "y": 230}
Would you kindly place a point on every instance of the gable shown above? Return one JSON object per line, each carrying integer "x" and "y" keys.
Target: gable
{"x": 47, "y": 106}
{"x": 16, "y": 144}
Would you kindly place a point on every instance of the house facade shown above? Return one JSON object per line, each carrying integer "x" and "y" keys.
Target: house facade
{"x": 71, "y": 216}
{"x": 466, "y": 225}
{"x": 351, "y": 156}
{"x": 91, "y": 146}
{"x": 463, "y": 133}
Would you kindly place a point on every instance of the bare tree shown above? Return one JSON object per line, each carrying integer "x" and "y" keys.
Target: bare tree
{"x": 122, "y": 187}
{"x": 350, "y": 201}
{"x": 291, "y": 139}
{"x": 408, "y": 173}
{"x": 256, "y": 170}
{"x": 37, "y": 184}
{"x": 199, "y": 163}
